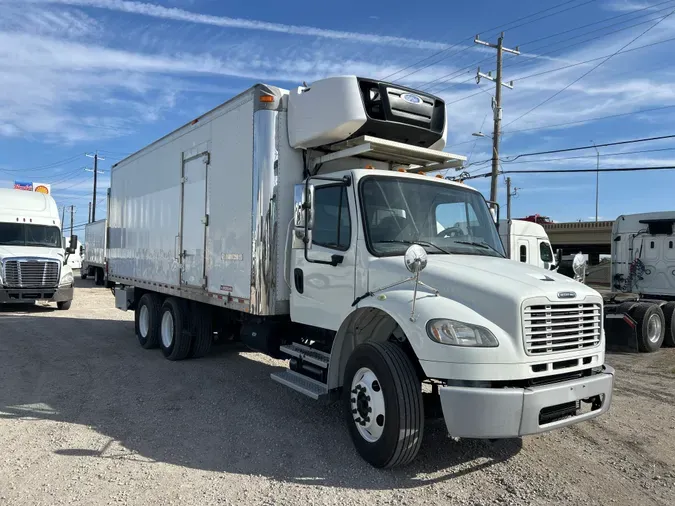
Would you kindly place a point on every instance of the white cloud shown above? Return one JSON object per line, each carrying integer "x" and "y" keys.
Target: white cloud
{"x": 176, "y": 14}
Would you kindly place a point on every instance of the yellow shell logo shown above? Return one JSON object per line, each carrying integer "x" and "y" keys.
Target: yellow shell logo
{"x": 42, "y": 189}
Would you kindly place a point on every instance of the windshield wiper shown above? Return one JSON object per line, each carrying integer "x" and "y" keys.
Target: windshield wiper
{"x": 480, "y": 245}
{"x": 421, "y": 243}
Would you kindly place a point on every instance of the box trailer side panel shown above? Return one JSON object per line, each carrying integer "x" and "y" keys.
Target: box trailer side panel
{"x": 95, "y": 243}
{"x": 228, "y": 235}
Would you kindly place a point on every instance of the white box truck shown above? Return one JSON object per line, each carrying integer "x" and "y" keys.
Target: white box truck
{"x": 305, "y": 224}
{"x": 33, "y": 262}
{"x": 95, "y": 239}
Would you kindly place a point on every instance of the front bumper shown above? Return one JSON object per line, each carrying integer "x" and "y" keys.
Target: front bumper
{"x": 512, "y": 412}
{"x": 60, "y": 294}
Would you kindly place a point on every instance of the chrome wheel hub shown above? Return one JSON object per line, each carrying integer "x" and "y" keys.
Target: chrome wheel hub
{"x": 167, "y": 329}
{"x": 654, "y": 328}
{"x": 367, "y": 405}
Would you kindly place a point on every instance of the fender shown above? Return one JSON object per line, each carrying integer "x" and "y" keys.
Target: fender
{"x": 378, "y": 316}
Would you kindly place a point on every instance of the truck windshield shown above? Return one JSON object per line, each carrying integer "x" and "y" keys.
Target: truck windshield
{"x": 440, "y": 217}
{"x": 24, "y": 234}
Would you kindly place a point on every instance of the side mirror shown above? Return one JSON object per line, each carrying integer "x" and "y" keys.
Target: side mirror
{"x": 72, "y": 248}
{"x": 303, "y": 215}
{"x": 415, "y": 259}
{"x": 494, "y": 211}
{"x": 558, "y": 257}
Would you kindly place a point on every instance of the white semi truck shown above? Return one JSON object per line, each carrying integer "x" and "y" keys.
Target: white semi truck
{"x": 527, "y": 242}
{"x": 94, "y": 263}
{"x": 33, "y": 262}
{"x": 305, "y": 224}
{"x": 641, "y": 304}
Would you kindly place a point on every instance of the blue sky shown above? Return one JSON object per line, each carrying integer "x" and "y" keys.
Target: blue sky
{"x": 113, "y": 75}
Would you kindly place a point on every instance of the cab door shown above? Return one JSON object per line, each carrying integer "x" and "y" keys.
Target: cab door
{"x": 322, "y": 277}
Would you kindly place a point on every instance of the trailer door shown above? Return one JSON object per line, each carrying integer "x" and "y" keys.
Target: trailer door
{"x": 194, "y": 219}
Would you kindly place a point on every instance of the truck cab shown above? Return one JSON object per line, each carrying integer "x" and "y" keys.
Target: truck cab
{"x": 527, "y": 242}
{"x": 33, "y": 260}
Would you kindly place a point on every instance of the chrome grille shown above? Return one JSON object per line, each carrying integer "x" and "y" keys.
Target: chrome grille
{"x": 30, "y": 273}
{"x": 557, "y": 328}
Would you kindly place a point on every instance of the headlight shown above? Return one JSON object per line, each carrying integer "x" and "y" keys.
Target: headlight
{"x": 460, "y": 334}
{"x": 67, "y": 279}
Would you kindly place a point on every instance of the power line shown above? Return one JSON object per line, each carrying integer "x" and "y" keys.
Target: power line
{"x": 532, "y": 59}
{"x": 571, "y": 171}
{"x": 598, "y": 118}
{"x": 438, "y": 53}
{"x": 615, "y": 153}
{"x": 47, "y": 166}
{"x": 627, "y": 13}
{"x": 589, "y": 71}
{"x": 566, "y": 150}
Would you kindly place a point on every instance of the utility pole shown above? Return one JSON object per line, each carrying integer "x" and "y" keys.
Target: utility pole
{"x": 93, "y": 206}
{"x": 89, "y": 214}
{"x": 496, "y": 104}
{"x": 508, "y": 197}
{"x": 72, "y": 216}
{"x": 597, "y": 179}
{"x": 63, "y": 216}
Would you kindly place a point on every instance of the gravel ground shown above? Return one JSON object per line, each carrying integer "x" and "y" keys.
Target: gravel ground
{"x": 88, "y": 417}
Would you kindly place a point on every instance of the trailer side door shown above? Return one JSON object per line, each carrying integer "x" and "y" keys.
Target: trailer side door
{"x": 194, "y": 219}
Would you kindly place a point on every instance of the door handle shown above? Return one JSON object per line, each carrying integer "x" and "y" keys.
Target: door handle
{"x": 298, "y": 278}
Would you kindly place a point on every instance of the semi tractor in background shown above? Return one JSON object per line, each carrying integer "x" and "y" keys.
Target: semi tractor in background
{"x": 75, "y": 258}
{"x": 640, "y": 306}
{"x": 95, "y": 244}
{"x": 33, "y": 260}
{"x": 305, "y": 223}
{"x": 527, "y": 242}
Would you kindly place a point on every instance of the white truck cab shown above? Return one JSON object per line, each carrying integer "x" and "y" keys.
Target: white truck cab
{"x": 33, "y": 261}
{"x": 309, "y": 225}
{"x": 528, "y": 243}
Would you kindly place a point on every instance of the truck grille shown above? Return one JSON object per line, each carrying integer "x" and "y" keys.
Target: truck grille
{"x": 30, "y": 273}
{"x": 557, "y": 328}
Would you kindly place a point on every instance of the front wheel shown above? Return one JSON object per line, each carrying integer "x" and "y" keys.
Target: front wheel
{"x": 383, "y": 404}
{"x": 64, "y": 305}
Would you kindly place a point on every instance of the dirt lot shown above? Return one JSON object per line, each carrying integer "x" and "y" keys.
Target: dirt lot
{"x": 88, "y": 417}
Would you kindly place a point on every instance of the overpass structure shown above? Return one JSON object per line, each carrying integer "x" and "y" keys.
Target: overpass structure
{"x": 590, "y": 237}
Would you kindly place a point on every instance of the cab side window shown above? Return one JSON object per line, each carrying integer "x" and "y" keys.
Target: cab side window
{"x": 523, "y": 253}
{"x": 332, "y": 224}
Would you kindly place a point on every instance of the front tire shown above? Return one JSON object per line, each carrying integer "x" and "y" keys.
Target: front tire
{"x": 650, "y": 326}
{"x": 64, "y": 305}
{"x": 175, "y": 340}
{"x": 147, "y": 321}
{"x": 383, "y": 404}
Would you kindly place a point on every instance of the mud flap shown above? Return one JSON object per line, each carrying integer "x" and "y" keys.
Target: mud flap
{"x": 620, "y": 333}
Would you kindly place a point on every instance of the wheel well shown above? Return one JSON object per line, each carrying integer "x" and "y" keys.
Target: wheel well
{"x": 365, "y": 324}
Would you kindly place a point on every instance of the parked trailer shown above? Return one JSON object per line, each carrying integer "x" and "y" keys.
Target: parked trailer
{"x": 640, "y": 306}
{"x": 95, "y": 240}
{"x": 304, "y": 224}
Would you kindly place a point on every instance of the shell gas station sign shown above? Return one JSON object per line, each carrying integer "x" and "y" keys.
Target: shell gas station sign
{"x": 33, "y": 187}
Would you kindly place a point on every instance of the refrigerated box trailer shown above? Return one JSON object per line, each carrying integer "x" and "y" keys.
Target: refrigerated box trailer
{"x": 305, "y": 223}
{"x": 95, "y": 239}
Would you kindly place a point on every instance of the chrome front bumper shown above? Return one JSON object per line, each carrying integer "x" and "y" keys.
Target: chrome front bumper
{"x": 512, "y": 412}
{"x": 60, "y": 294}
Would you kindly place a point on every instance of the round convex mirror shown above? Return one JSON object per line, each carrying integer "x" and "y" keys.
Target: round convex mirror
{"x": 415, "y": 258}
